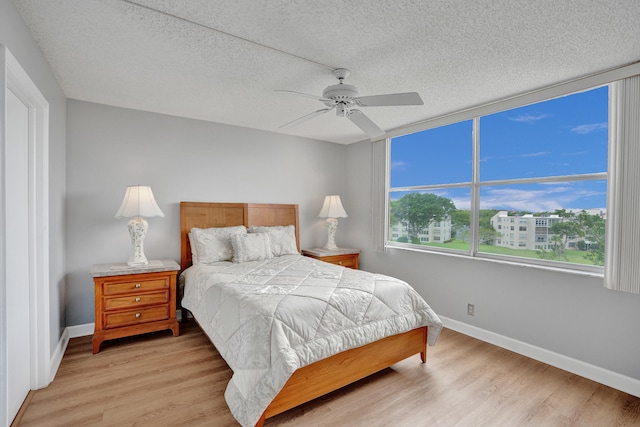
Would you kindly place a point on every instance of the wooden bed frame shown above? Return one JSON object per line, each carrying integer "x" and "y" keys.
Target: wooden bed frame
{"x": 326, "y": 375}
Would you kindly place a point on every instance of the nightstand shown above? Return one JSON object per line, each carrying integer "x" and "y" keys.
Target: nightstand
{"x": 134, "y": 300}
{"x": 341, "y": 256}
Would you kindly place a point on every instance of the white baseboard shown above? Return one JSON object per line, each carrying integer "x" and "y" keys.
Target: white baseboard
{"x": 68, "y": 333}
{"x": 575, "y": 366}
{"x": 81, "y": 330}
{"x": 56, "y": 357}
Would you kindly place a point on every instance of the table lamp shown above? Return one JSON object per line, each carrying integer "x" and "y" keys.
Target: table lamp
{"x": 332, "y": 210}
{"x": 138, "y": 203}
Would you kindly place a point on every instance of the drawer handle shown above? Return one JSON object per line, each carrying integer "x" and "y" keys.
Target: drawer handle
{"x": 137, "y": 285}
{"x": 137, "y": 299}
{"x": 137, "y": 315}
{"x": 340, "y": 262}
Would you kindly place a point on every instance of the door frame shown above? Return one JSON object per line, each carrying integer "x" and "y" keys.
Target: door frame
{"x": 13, "y": 77}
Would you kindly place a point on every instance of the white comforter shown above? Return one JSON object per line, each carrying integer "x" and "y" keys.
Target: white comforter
{"x": 269, "y": 318}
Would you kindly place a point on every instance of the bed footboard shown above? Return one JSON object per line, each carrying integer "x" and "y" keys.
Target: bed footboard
{"x": 330, "y": 374}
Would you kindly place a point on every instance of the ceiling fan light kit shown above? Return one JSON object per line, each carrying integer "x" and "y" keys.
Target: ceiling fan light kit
{"x": 343, "y": 97}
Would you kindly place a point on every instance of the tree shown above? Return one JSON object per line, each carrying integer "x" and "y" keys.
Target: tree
{"x": 562, "y": 231}
{"x": 593, "y": 227}
{"x": 590, "y": 228}
{"x": 556, "y": 249}
{"x": 563, "y": 213}
{"x": 460, "y": 220}
{"x": 487, "y": 235}
{"x": 486, "y": 215}
{"x": 418, "y": 210}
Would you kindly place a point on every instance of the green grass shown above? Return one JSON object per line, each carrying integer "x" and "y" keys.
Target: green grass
{"x": 573, "y": 256}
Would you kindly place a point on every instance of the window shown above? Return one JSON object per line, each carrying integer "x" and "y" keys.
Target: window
{"x": 420, "y": 164}
{"x": 541, "y": 166}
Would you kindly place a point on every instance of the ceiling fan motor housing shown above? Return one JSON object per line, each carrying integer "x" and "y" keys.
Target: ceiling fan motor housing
{"x": 340, "y": 93}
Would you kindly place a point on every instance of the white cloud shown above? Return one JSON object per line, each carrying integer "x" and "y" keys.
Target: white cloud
{"x": 560, "y": 196}
{"x": 509, "y": 198}
{"x": 528, "y": 118}
{"x": 584, "y": 129}
{"x": 538, "y": 154}
{"x": 397, "y": 164}
{"x": 462, "y": 203}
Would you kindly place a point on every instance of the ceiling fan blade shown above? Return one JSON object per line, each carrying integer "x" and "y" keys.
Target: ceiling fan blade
{"x": 306, "y": 95}
{"x": 408, "y": 98}
{"x": 306, "y": 117}
{"x": 365, "y": 123}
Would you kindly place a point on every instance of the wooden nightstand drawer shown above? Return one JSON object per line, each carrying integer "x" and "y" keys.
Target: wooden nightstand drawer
{"x": 136, "y": 300}
{"x": 126, "y": 318}
{"x": 111, "y": 288}
{"x": 343, "y": 260}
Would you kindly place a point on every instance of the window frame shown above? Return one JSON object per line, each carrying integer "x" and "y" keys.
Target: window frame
{"x": 475, "y": 185}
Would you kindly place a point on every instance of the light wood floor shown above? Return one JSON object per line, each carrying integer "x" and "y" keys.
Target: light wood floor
{"x": 160, "y": 380}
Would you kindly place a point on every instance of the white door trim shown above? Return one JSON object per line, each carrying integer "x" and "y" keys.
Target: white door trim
{"x": 14, "y": 77}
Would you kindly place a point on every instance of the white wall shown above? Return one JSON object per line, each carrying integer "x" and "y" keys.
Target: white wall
{"x": 567, "y": 314}
{"x": 16, "y": 36}
{"x": 109, "y": 148}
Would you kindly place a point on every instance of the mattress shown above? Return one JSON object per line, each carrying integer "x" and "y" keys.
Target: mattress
{"x": 269, "y": 318}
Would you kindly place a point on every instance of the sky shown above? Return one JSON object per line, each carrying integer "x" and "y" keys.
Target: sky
{"x": 559, "y": 137}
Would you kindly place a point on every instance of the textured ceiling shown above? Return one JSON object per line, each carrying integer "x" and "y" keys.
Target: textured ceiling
{"x": 222, "y": 60}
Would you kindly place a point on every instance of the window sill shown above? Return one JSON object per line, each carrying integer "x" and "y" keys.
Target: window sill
{"x": 587, "y": 271}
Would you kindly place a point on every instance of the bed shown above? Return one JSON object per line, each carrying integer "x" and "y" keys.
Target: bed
{"x": 217, "y": 291}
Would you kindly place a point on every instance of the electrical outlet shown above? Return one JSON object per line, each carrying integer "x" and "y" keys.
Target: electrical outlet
{"x": 471, "y": 309}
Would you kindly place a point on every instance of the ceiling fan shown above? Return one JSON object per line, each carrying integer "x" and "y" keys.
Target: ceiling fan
{"x": 344, "y": 97}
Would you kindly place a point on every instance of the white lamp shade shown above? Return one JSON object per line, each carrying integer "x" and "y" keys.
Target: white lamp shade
{"x": 138, "y": 202}
{"x": 332, "y": 208}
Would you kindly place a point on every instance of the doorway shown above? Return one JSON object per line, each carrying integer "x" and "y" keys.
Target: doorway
{"x": 24, "y": 244}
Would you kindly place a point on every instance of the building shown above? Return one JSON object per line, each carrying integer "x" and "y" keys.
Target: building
{"x": 436, "y": 232}
{"x": 524, "y": 231}
{"x": 531, "y": 232}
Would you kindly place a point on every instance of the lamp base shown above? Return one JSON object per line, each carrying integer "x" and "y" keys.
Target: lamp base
{"x": 137, "y": 230}
{"x": 332, "y": 226}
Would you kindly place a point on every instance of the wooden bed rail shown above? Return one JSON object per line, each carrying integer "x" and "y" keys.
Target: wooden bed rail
{"x": 345, "y": 368}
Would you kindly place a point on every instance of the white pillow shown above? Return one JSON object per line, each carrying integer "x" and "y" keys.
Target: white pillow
{"x": 194, "y": 249}
{"x": 214, "y": 244}
{"x": 283, "y": 239}
{"x": 251, "y": 247}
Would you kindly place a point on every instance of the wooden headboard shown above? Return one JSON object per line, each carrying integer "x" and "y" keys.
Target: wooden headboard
{"x": 209, "y": 215}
